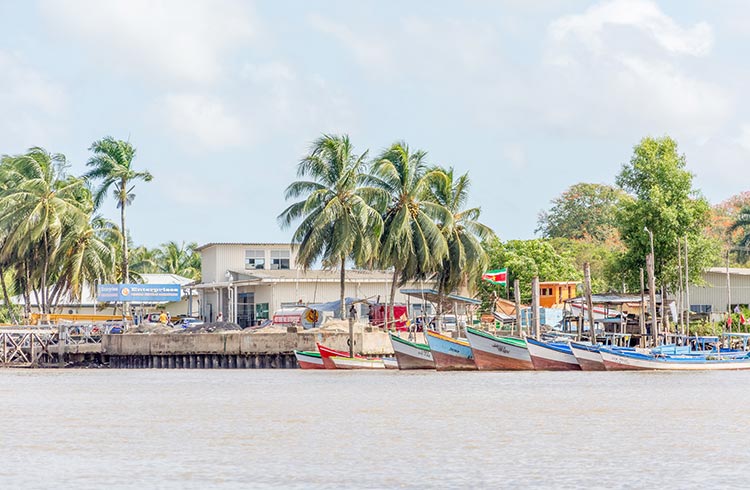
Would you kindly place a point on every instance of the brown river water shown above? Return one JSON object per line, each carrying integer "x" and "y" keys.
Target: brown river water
{"x": 323, "y": 429}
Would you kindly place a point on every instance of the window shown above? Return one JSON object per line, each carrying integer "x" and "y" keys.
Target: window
{"x": 546, "y": 291}
{"x": 261, "y": 311}
{"x": 255, "y": 259}
{"x": 700, "y": 308}
{"x": 280, "y": 259}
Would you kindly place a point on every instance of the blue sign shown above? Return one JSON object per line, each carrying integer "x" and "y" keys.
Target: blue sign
{"x": 138, "y": 293}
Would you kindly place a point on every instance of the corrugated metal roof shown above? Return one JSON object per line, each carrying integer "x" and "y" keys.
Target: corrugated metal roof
{"x": 247, "y": 244}
{"x": 737, "y": 271}
{"x": 352, "y": 275}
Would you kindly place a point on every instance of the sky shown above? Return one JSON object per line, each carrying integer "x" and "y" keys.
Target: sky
{"x": 223, "y": 98}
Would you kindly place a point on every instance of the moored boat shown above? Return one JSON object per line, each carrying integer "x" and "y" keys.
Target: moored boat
{"x": 450, "y": 354}
{"x": 411, "y": 355}
{"x": 309, "y": 360}
{"x": 357, "y": 363}
{"x": 615, "y": 360}
{"x": 327, "y": 353}
{"x": 551, "y": 356}
{"x": 498, "y": 353}
{"x": 588, "y": 356}
{"x": 390, "y": 363}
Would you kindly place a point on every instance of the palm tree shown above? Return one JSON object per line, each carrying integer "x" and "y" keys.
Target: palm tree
{"x": 39, "y": 205}
{"x": 337, "y": 220}
{"x": 742, "y": 222}
{"x": 112, "y": 163}
{"x": 89, "y": 257}
{"x": 180, "y": 259}
{"x": 466, "y": 256}
{"x": 412, "y": 242}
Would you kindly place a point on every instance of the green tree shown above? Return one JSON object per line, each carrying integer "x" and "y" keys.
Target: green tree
{"x": 180, "y": 259}
{"x": 525, "y": 259}
{"x": 337, "y": 221}
{"x": 741, "y": 224}
{"x": 601, "y": 256}
{"x": 583, "y": 211}
{"x": 112, "y": 164}
{"x": 412, "y": 242}
{"x": 665, "y": 203}
{"x": 466, "y": 259}
{"x": 40, "y": 205}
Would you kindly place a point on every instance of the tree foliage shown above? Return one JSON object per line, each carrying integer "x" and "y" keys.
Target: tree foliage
{"x": 583, "y": 211}
{"x": 665, "y": 203}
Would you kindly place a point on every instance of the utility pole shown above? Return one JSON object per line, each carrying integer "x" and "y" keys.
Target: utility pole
{"x": 652, "y": 299}
{"x": 535, "y": 305}
{"x": 687, "y": 289}
{"x": 517, "y": 297}
{"x": 679, "y": 289}
{"x": 589, "y": 304}
{"x": 729, "y": 292}
{"x": 642, "y": 316}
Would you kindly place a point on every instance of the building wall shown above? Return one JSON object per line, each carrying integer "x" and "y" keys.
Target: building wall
{"x": 220, "y": 258}
{"x": 714, "y": 293}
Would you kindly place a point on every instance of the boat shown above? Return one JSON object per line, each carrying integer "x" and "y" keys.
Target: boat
{"x": 493, "y": 353}
{"x": 450, "y": 354}
{"x": 357, "y": 363}
{"x": 309, "y": 359}
{"x": 327, "y": 353}
{"x": 616, "y": 360}
{"x": 390, "y": 362}
{"x": 551, "y": 356}
{"x": 588, "y": 356}
{"x": 411, "y": 355}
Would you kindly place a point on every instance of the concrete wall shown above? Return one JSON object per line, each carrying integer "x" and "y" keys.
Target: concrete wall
{"x": 217, "y": 259}
{"x": 237, "y": 343}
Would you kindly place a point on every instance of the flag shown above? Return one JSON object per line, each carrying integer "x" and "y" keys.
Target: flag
{"x": 497, "y": 276}
{"x": 742, "y": 319}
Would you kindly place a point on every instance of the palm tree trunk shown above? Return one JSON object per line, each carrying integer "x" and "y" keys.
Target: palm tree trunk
{"x": 123, "y": 203}
{"x": 343, "y": 288}
{"x": 27, "y": 291}
{"x": 6, "y": 298}
{"x": 393, "y": 297}
{"x": 45, "y": 270}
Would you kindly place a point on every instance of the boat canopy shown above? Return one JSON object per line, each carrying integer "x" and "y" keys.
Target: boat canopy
{"x": 432, "y": 296}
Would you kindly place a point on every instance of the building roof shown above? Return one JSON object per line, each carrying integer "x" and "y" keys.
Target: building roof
{"x": 247, "y": 244}
{"x": 287, "y": 275}
{"x": 558, "y": 283}
{"x": 737, "y": 271}
{"x": 432, "y": 296}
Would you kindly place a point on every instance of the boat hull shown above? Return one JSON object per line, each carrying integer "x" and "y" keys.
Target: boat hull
{"x": 308, "y": 360}
{"x": 588, "y": 357}
{"x": 497, "y": 353}
{"x": 546, "y": 358}
{"x": 620, "y": 362}
{"x": 326, "y": 353}
{"x": 410, "y": 355}
{"x": 390, "y": 363}
{"x": 450, "y": 354}
{"x": 357, "y": 363}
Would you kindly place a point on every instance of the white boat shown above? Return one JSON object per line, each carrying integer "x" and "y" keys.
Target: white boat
{"x": 588, "y": 356}
{"x": 619, "y": 361}
{"x": 390, "y": 362}
{"x": 551, "y": 356}
{"x": 357, "y": 363}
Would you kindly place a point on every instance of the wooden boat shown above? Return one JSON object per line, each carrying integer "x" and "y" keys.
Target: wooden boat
{"x": 309, "y": 360}
{"x": 551, "y": 356}
{"x": 615, "y": 360}
{"x": 327, "y": 353}
{"x": 411, "y": 355}
{"x": 450, "y": 354}
{"x": 390, "y": 362}
{"x": 493, "y": 353}
{"x": 357, "y": 363}
{"x": 588, "y": 356}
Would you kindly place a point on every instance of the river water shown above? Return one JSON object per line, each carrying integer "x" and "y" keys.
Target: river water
{"x": 323, "y": 429}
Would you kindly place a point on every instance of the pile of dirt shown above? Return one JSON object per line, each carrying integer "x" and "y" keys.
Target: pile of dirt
{"x": 212, "y": 328}
{"x": 150, "y": 328}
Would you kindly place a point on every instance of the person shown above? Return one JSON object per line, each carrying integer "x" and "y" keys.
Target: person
{"x": 353, "y": 312}
{"x": 220, "y": 317}
{"x": 169, "y": 319}
{"x": 163, "y": 318}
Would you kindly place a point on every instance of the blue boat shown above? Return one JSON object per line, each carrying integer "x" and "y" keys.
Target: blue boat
{"x": 450, "y": 354}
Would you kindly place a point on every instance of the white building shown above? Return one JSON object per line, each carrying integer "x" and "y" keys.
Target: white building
{"x": 248, "y": 282}
{"x": 714, "y": 296}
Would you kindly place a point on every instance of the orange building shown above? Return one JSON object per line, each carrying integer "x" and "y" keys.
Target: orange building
{"x": 554, "y": 292}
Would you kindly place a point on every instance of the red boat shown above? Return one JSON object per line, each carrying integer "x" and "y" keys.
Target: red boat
{"x": 327, "y": 353}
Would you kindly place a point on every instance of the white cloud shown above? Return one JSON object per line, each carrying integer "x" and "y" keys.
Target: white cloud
{"x": 516, "y": 155}
{"x": 744, "y": 138}
{"x": 642, "y": 15}
{"x": 203, "y": 119}
{"x": 32, "y": 106}
{"x": 600, "y": 79}
{"x": 172, "y": 40}
{"x": 375, "y": 52}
